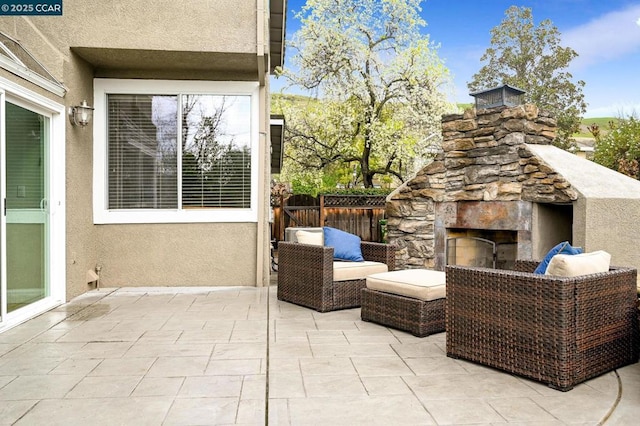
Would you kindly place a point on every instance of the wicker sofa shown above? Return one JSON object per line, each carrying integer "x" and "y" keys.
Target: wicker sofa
{"x": 305, "y": 275}
{"x": 555, "y": 330}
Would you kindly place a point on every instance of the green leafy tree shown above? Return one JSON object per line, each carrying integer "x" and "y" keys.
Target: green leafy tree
{"x": 619, "y": 148}
{"x": 379, "y": 85}
{"x": 532, "y": 59}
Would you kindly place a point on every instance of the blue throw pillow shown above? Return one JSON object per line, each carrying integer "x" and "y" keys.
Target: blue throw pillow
{"x": 562, "y": 248}
{"x": 346, "y": 246}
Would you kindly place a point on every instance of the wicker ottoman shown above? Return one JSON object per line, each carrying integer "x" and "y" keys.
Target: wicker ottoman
{"x": 411, "y": 300}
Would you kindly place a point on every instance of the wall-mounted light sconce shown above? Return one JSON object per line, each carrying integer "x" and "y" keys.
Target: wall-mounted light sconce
{"x": 80, "y": 115}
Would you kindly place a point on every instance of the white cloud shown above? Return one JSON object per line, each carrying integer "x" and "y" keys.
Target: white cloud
{"x": 614, "y": 110}
{"x": 611, "y": 36}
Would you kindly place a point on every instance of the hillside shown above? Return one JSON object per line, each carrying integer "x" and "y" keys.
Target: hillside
{"x": 602, "y": 122}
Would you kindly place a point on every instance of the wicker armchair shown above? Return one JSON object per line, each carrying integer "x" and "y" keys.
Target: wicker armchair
{"x": 559, "y": 331}
{"x": 305, "y": 275}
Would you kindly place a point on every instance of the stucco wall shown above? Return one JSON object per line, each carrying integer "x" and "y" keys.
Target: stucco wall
{"x": 612, "y": 225}
{"x": 203, "y": 25}
{"x": 200, "y": 39}
{"x": 550, "y": 224}
{"x": 177, "y": 255}
{"x": 80, "y": 233}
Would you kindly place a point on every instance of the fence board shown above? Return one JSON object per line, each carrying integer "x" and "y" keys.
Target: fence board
{"x": 356, "y": 214}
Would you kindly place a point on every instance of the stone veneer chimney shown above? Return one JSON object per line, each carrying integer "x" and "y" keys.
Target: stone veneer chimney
{"x": 485, "y": 178}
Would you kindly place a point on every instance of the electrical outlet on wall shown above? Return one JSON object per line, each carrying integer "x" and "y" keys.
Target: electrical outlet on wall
{"x": 22, "y": 191}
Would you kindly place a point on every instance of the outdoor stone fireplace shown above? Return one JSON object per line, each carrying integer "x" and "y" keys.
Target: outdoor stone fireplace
{"x": 487, "y": 198}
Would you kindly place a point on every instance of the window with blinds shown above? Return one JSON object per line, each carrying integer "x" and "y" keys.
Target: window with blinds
{"x": 183, "y": 151}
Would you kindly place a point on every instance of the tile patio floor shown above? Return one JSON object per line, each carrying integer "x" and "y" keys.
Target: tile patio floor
{"x": 201, "y": 356}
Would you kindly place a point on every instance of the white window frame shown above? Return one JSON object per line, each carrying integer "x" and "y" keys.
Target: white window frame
{"x": 104, "y": 87}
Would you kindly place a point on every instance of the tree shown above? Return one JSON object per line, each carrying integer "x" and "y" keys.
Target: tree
{"x": 619, "y": 148}
{"x": 379, "y": 87}
{"x": 532, "y": 59}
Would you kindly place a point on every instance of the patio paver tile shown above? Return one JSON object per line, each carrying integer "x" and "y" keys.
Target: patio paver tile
{"x": 385, "y": 385}
{"x": 466, "y": 386}
{"x": 422, "y": 349}
{"x": 251, "y": 412}
{"x": 43, "y": 350}
{"x": 520, "y": 410}
{"x": 287, "y": 385}
{"x": 323, "y": 337}
{"x": 154, "y": 350}
{"x": 326, "y": 366}
{"x": 336, "y": 325}
{"x": 159, "y": 336}
{"x": 383, "y": 410}
{"x": 239, "y": 351}
{"x": 102, "y": 350}
{"x": 38, "y": 387}
{"x": 76, "y": 366}
{"x": 191, "y": 411}
{"x": 254, "y": 387}
{"x": 158, "y": 386}
{"x": 381, "y": 366}
{"x": 285, "y": 365}
{"x": 205, "y": 336}
{"x": 178, "y": 366}
{"x": 123, "y": 367}
{"x": 348, "y": 350}
{"x": 30, "y": 366}
{"x": 570, "y": 408}
{"x": 211, "y": 387}
{"x": 463, "y": 412}
{"x": 333, "y": 386}
{"x": 233, "y": 367}
{"x": 279, "y": 412}
{"x": 11, "y": 411}
{"x": 104, "y": 387}
{"x": 434, "y": 365}
{"x": 98, "y": 412}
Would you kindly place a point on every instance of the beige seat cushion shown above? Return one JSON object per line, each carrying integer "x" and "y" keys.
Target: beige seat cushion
{"x": 566, "y": 265}
{"x": 423, "y": 284}
{"x": 345, "y": 271}
{"x": 310, "y": 237}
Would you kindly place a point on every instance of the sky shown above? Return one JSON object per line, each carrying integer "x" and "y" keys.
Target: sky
{"x": 604, "y": 33}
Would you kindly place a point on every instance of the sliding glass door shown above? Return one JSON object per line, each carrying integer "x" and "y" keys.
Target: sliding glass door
{"x": 32, "y": 270}
{"x": 26, "y": 210}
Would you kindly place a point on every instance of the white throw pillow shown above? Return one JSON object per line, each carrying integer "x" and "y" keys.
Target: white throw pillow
{"x": 572, "y": 265}
{"x": 308, "y": 237}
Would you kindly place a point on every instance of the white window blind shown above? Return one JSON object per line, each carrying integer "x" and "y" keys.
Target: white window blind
{"x": 142, "y": 161}
{"x": 216, "y": 151}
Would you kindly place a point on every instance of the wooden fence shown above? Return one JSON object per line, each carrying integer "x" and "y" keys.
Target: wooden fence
{"x": 357, "y": 214}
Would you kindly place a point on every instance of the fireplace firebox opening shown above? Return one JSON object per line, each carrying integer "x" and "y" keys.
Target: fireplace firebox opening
{"x": 480, "y": 247}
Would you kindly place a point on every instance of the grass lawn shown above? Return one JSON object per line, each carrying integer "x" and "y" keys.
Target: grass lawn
{"x": 602, "y": 122}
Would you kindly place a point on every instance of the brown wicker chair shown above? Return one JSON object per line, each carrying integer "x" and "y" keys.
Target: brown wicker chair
{"x": 305, "y": 275}
{"x": 556, "y": 330}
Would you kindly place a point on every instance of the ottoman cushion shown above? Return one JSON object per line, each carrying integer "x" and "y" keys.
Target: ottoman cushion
{"x": 423, "y": 284}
